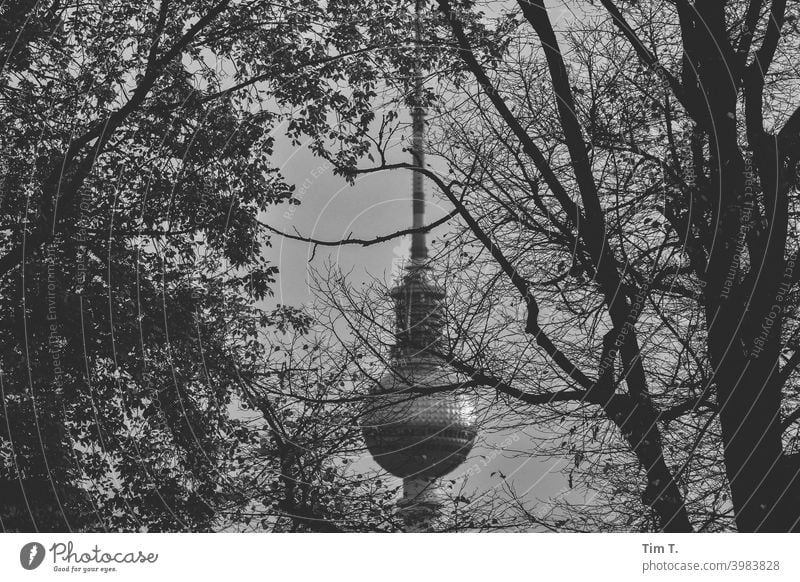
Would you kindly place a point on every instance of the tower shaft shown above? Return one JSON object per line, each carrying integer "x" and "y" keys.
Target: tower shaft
{"x": 420, "y": 505}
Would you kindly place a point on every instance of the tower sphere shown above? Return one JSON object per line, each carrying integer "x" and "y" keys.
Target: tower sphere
{"x": 418, "y": 424}
{"x": 413, "y": 435}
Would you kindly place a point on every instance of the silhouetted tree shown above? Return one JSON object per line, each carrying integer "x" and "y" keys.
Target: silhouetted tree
{"x": 134, "y": 161}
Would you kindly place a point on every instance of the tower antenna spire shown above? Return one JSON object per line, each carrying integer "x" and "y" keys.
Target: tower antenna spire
{"x": 419, "y": 248}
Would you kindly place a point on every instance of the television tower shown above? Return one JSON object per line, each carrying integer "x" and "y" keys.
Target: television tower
{"x": 417, "y": 427}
